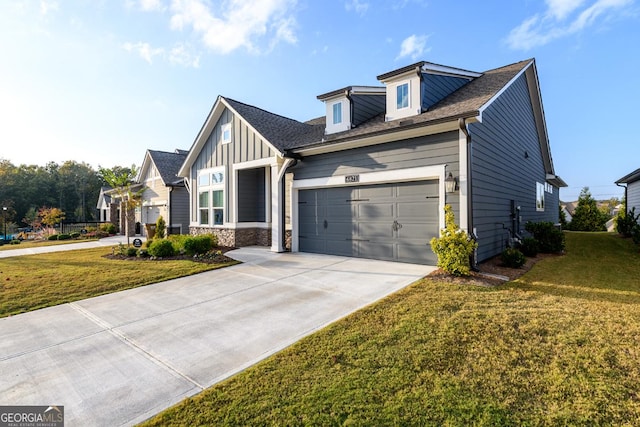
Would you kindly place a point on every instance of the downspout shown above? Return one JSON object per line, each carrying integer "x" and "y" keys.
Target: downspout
{"x": 421, "y": 80}
{"x": 626, "y": 210}
{"x": 473, "y": 260}
{"x": 170, "y": 206}
{"x": 351, "y": 108}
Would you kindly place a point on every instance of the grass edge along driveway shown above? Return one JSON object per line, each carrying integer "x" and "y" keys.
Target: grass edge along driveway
{"x": 558, "y": 346}
{"x": 32, "y": 282}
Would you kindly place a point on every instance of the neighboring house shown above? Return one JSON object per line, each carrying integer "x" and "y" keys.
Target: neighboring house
{"x": 569, "y": 209}
{"x": 107, "y": 211}
{"x": 631, "y": 182}
{"x": 370, "y": 178}
{"x": 164, "y": 192}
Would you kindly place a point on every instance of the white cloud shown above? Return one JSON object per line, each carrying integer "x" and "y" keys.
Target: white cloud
{"x": 182, "y": 55}
{"x": 413, "y": 46}
{"x": 152, "y": 5}
{"x": 145, "y": 50}
{"x": 360, "y": 7}
{"x": 237, "y": 23}
{"x": 47, "y": 6}
{"x": 562, "y": 18}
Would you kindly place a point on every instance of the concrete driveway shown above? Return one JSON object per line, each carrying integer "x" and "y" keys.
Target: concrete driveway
{"x": 118, "y": 359}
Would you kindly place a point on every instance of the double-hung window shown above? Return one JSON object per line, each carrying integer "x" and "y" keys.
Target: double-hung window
{"x": 211, "y": 197}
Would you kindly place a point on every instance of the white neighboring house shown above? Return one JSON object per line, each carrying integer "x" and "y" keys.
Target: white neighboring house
{"x": 631, "y": 183}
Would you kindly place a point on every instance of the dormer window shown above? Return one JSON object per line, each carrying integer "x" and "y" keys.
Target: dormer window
{"x": 402, "y": 96}
{"x": 337, "y": 113}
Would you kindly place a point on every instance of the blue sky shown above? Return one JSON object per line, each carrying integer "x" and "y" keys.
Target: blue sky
{"x": 100, "y": 81}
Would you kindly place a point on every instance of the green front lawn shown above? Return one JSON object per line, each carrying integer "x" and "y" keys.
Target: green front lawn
{"x": 36, "y": 281}
{"x": 26, "y": 244}
{"x": 559, "y": 346}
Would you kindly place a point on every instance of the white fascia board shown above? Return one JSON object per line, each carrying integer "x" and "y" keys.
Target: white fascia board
{"x": 368, "y": 90}
{"x": 208, "y": 126}
{"x": 379, "y": 139}
{"x": 449, "y": 71}
{"x": 501, "y": 91}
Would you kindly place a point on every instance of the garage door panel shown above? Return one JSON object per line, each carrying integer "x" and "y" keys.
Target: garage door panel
{"x": 374, "y": 230}
{"x": 376, "y": 250}
{"x": 377, "y": 211}
{"x": 382, "y": 221}
{"x": 340, "y": 247}
{"x": 417, "y": 253}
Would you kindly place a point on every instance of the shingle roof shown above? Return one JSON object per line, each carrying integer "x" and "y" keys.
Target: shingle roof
{"x": 629, "y": 178}
{"x": 168, "y": 164}
{"x": 284, "y": 133}
{"x": 287, "y": 134}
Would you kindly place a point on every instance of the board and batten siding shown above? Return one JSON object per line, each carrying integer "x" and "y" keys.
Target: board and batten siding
{"x": 245, "y": 146}
{"x": 633, "y": 195}
{"x": 429, "y": 150}
{"x": 506, "y": 165}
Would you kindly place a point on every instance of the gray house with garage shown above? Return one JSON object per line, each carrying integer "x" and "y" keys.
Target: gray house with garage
{"x": 371, "y": 177}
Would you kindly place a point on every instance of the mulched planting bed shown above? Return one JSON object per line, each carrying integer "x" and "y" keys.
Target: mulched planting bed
{"x": 492, "y": 266}
{"x": 216, "y": 256}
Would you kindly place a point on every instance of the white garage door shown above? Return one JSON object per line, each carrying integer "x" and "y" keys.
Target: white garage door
{"x": 386, "y": 221}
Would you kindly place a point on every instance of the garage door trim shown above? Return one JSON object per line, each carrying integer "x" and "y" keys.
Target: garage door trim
{"x": 365, "y": 178}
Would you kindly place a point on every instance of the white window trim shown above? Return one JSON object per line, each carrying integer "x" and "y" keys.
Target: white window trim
{"x": 382, "y": 177}
{"x": 540, "y": 190}
{"x": 333, "y": 113}
{"x": 210, "y": 188}
{"x": 408, "y": 83}
{"x": 225, "y": 127}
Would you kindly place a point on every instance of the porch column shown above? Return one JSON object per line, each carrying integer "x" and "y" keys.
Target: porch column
{"x": 277, "y": 210}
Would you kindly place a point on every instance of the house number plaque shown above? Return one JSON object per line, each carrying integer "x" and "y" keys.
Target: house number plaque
{"x": 352, "y": 178}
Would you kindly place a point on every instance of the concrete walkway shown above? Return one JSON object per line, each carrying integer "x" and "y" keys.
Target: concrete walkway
{"x": 107, "y": 241}
{"x": 119, "y": 359}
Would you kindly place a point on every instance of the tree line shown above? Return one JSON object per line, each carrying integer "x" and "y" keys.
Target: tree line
{"x": 71, "y": 187}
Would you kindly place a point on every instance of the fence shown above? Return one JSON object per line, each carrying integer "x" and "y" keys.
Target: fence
{"x": 70, "y": 227}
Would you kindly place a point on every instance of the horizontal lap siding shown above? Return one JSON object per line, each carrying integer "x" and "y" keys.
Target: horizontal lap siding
{"x": 429, "y": 150}
{"x": 633, "y": 195}
{"x": 501, "y": 172}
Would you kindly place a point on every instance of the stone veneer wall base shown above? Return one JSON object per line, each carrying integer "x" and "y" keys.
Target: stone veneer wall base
{"x": 237, "y": 237}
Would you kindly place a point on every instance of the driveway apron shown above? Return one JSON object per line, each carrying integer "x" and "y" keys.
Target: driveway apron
{"x": 118, "y": 359}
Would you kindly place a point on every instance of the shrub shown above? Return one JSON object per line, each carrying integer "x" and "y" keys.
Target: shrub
{"x": 635, "y": 234}
{"x": 178, "y": 242}
{"x": 195, "y": 245}
{"x": 143, "y": 253}
{"x": 74, "y": 235}
{"x": 53, "y": 237}
{"x": 625, "y": 221}
{"x": 64, "y": 236}
{"x": 453, "y": 247}
{"x": 513, "y": 258}
{"x": 15, "y": 242}
{"x": 161, "y": 248}
{"x": 529, "y": 247}
{"x": 550, "y": 238}
{"x": 100, "y": 234}
{"x": 161, "y": 228}
{"x": 132, "y": 252}
{"x": 148, "y": 242}
{"x": 108, "y": 228}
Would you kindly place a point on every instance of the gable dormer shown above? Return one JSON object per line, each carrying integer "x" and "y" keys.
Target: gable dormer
{"x": 413, "y": 89}
{"x": 348, "y": 107}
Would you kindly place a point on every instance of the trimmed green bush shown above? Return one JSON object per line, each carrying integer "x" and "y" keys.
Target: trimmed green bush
{"x": 15, "y": 242}
{"x": 549, "y": 237}
{"x": 100, "y": 234}
{"x": 143, "y": 253}
{"x": 196, "y": 245}
{"x": 53, "y": 237}
{"x": 161, "y": 228}
{"x": 529, "y": 247}
{"x": 513, "y": 258}
{"x": 161, "y": 248}
{"x": 131, "y": 252}
{"x": 64, "y": 236}
{"x": 453, "y": 247}
{"x": 108, "y": 228}
{"x": 74, "y": 235}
